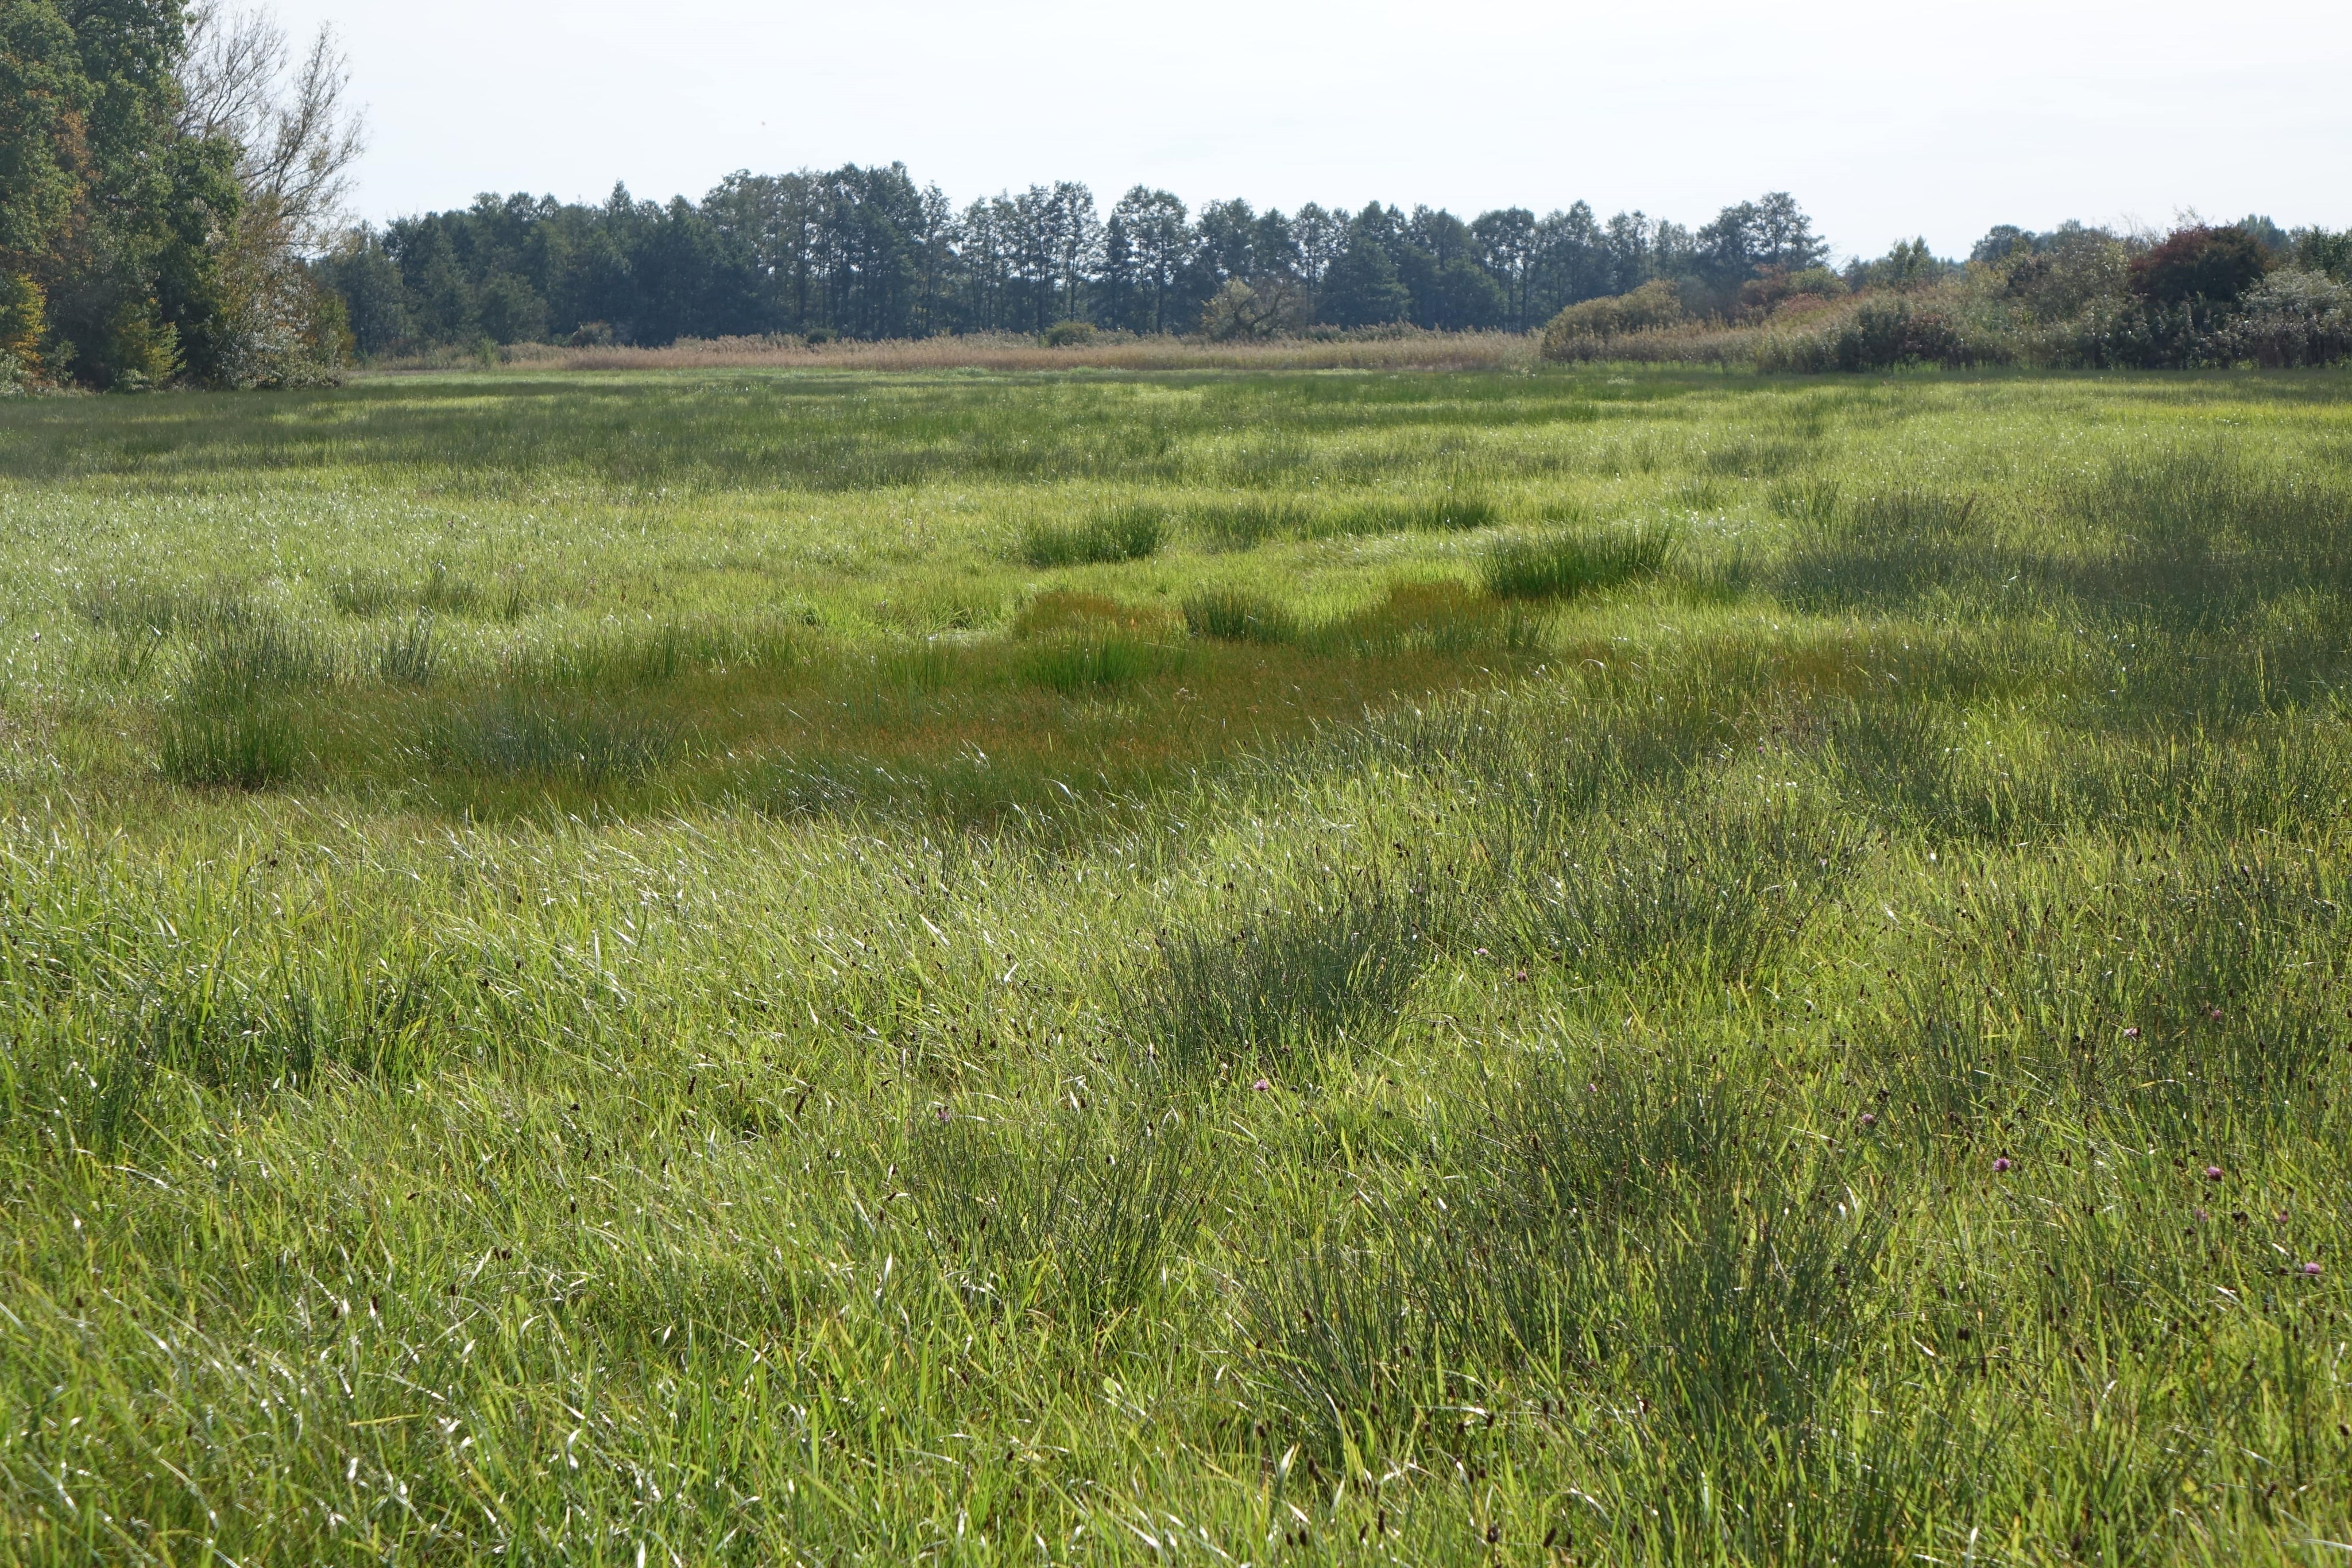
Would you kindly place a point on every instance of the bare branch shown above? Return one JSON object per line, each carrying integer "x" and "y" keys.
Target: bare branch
{"x": 296, "y": 134}
{"x": 228, "y": 77}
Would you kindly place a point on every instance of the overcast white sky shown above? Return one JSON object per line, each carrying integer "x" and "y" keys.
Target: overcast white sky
{"x": 1886, "y": 120}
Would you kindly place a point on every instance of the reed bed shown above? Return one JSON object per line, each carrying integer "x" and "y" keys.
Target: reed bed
{"x": 1398, "y": 349}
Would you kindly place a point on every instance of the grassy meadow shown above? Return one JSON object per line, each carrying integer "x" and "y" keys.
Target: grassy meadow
{"x": 1604, "y": 965}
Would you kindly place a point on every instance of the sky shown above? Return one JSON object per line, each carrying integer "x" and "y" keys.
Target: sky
{"x": 1885, "y": 122}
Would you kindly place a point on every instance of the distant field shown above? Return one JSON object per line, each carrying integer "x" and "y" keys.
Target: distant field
{"x": 819, "y": 967}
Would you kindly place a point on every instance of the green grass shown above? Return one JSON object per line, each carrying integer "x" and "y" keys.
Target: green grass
{"x": 1594, "y": 966}
{"x": 1563, "y": 562}
{"x": 1132, "y": 532}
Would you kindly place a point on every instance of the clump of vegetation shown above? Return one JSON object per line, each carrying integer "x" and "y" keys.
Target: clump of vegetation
{"x": 438, "y": 592}
{"x": 1441, "y": 618}
{"x": 1283, "y": 983}
{"x": 1657, "y": 303}
{"x": 238, "y": 744}
{"x": 1563, "y": 562}
{"x": 1444, "y": 511}
{"x": 1130, "y": 532}
{"x": 2215, "y": 266}
{"x": 1078, "y": 665}
{"x": 407, "y": 655}
{"x": 1238, "y": 615}
{"x": 233, "y": 721}
{"x": 1246, "y": 524}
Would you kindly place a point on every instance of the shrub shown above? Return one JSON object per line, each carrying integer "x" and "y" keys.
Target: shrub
{"x": 1069, "y": 334}
{"x": 1880, "y": 336}
{"x": 24, "y": 322}
{"x": 2056, "y": 277}
{"x": 1569, "y": 562}
{"x": 2292, "y": 318}
{"x": 1657, "y": 303}
{"x": 1125, "y": 533}
{"x": 2217, "y": 266}
{"x": 2318, "y": 250}
{"x": 1877, "y": 333}
{"x": 1780, "y": 288}
{"x": 1272, "y": 308}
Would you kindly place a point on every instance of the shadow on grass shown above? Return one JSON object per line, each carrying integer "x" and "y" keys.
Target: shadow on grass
{"x": 1265, "y": 988}
{"x": 1076, "y": 1224}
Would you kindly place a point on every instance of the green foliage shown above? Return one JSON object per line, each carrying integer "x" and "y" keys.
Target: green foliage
{"x": 1657, "y": 303}
{"x": 2292, "y": 318}
{"x": 2317, "y": 250}
{"x": 130, "y": 253}
{"x": 45, "y": 99}
{"x": 2059, "y": 275}
{"x": 1362, "y": 287}
{"x": 817, "y": 256}
{"x": 1908, "y": 265}
{"x": 1881, "y": 334}
{"x": 2210, "y": 266}
{"x": 111, "y": 216}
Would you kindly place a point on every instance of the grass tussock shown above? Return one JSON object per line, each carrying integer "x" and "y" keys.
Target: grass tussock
{"x": 1132, "y": 532}
{"x": 367, "y": 594}
{"x": 1564, "y": 562}
{"x": 1271, "y": 988}
{"x": 1238, "y": 615}
{"x": 241, "y": 744}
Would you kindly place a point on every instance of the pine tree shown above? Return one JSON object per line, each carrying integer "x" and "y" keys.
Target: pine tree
{"x": 1362, "y": 288}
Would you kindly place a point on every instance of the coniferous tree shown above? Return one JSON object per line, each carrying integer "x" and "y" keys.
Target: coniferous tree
{"x": 1362, "y": 288}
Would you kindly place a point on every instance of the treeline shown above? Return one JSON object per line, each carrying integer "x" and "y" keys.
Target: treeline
{"x": 867, "y": 253}
{"x": 170, "y": 183}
